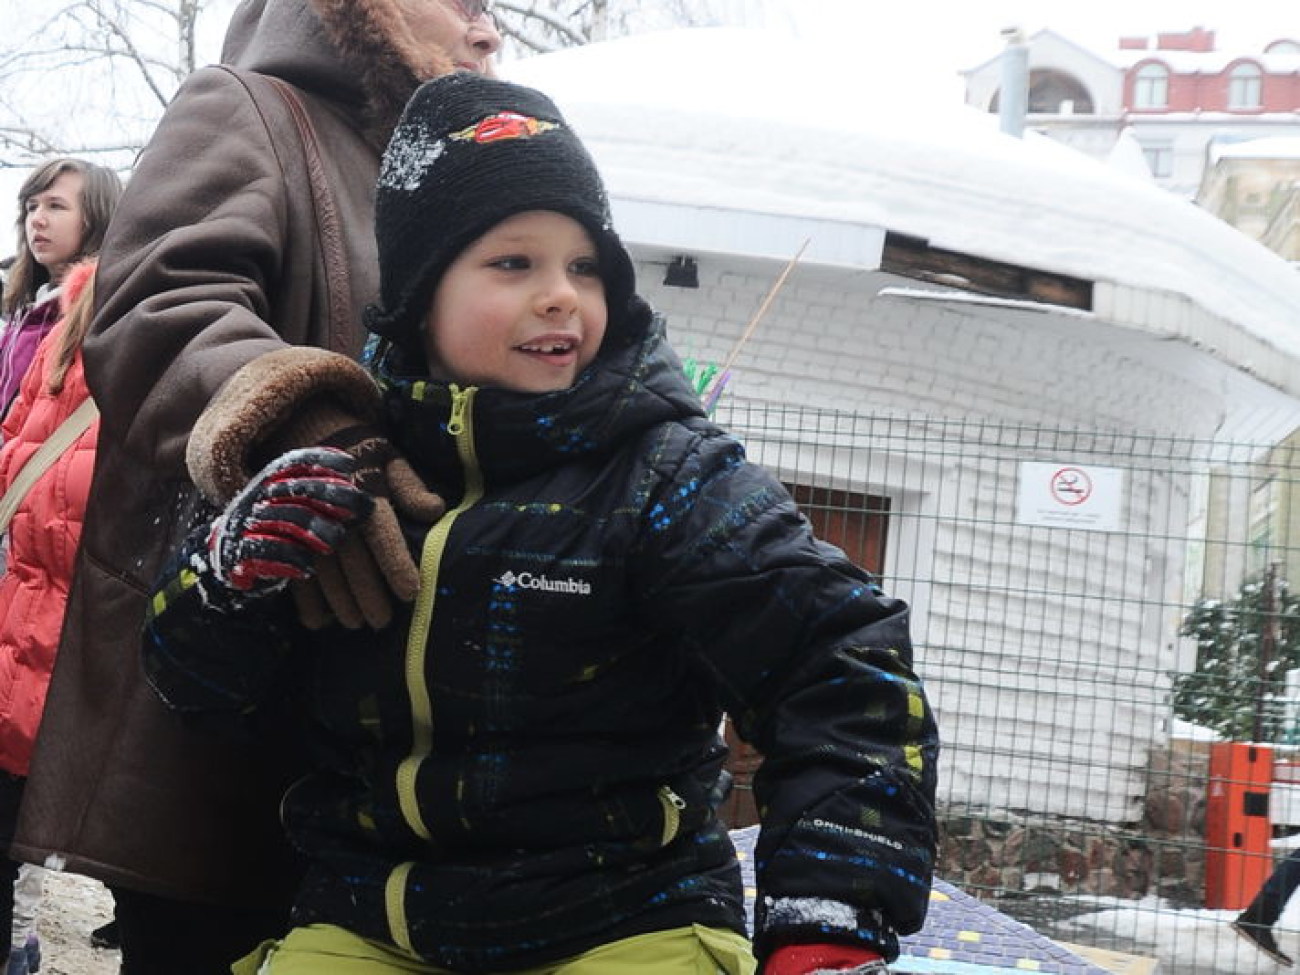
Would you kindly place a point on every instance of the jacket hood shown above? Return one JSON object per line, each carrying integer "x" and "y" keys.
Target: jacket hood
{"x": 75, "y": 281}
{"x": 359, "y": 53}
{"x": 636, "y": 384}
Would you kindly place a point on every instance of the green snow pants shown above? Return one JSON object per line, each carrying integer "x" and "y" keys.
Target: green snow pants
{"x": 323, "y": 949}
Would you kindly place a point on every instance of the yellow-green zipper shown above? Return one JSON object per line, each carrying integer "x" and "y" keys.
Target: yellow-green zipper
{"x": 673, "y": 806}
{"x": 395, "y": 903}
{"x": 461, "y": 427}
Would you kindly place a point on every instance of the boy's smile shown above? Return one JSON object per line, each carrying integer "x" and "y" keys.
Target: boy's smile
{"x": 522, "y": 308}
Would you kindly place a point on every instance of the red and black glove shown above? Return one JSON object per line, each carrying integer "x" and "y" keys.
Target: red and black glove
{"x": 297, "y": 509}
{"x": 824, "y": 959}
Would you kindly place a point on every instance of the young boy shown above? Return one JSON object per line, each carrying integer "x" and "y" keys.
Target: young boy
{"x": 520, "y": 772}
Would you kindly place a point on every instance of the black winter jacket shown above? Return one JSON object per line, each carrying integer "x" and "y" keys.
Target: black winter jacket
{"x": 522, "y": 767}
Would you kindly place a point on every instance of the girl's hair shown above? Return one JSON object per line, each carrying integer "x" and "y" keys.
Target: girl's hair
{"x": 100, "y": 190}
{"x": 71, "y": 330}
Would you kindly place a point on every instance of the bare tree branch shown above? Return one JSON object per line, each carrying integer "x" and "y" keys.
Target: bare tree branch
{"x": 524, "y": 13}
{"x": 119, "y": 62}
{"x": 542, "y": 26}
{"x": 119, "y": 29}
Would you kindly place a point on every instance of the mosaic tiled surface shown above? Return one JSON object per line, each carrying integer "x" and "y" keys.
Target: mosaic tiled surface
{"x": 962, "y": 936}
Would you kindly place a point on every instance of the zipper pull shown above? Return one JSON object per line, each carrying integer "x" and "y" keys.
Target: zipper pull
{"x": 673, "y": 807}
{"x": 459, "y": 403}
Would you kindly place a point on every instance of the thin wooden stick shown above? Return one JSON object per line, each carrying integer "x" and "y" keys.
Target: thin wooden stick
{"x": 777, "y": 285}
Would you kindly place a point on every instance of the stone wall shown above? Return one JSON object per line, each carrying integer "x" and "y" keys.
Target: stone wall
{"x": 1005, "y": 854}
{"x": 1162, "y": 855}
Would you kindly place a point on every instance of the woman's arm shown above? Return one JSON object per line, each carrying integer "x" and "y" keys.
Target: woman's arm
{"x": 190, "y": 273}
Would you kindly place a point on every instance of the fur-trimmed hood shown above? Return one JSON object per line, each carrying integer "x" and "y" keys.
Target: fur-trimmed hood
{"x": 359, "y": 53}
{"x": 75, "y": 281}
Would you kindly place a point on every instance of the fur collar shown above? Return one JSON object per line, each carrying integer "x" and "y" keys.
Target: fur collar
{"x": 373, "y": 40}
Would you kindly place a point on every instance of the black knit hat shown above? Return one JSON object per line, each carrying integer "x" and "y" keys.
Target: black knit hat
{"x": 469, "y": 152}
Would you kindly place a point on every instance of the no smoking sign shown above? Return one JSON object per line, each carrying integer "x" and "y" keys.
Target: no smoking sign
{"x": 1071, "y": 486}
{"x": 1070, "y": 496}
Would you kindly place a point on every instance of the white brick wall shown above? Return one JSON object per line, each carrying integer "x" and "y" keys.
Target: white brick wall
{"x": 1046, "y": 651}
{"x": 836, "y": 344}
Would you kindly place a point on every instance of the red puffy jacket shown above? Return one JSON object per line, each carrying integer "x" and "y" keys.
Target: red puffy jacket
{"x": 43, "y": 538}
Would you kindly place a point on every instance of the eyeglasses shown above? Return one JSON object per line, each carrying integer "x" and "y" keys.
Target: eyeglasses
{"x": 472, "y": 9}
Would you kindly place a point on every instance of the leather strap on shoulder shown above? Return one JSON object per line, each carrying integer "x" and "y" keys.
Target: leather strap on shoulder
{"x": 338, "y": 281}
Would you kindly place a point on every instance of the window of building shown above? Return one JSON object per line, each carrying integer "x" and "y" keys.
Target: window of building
{"x": 1053, "y": 92}
{"x": 1160, "y": 159}
{"x": 1245, "y": 85}
{"x": 858, "y": 524}
{"x": 1151, "y": 87}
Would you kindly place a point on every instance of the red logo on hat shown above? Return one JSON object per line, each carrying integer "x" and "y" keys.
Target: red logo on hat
{"x": 503, "y": 126}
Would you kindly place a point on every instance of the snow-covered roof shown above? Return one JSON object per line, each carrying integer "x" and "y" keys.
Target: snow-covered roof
{"x": 1126, "y": 156}
{"x": 1183, "y": 62}
{"x": 1208, "y": 62}
{"x": 1038, "y": 40}
{"x": 749, "y": 124}
{"x": 1273, "y": 147}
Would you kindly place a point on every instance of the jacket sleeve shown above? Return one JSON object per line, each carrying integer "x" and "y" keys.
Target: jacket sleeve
{"x": 188, "y": 271}
{"x": 19, "y": 412}
{"x": 21, "y": 408}
{"x": 814, "y": 664}
{"x": 36, "y": 376}
{"x": 214, "y": 656}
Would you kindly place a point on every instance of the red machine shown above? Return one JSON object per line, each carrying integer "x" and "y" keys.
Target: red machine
{"x": 1238, "y": 854}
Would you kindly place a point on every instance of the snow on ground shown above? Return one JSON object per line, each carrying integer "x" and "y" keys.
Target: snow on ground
{"x": 74, "y": 906}
{"x": 1185, "y": 941}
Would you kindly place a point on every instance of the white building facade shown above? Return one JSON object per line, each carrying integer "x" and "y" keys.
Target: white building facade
{"x": 1175, "y": 95}
{"x": 975, "y": 321}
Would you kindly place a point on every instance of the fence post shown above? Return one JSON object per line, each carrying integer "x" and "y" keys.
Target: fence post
{"x": 1267, "y": 649}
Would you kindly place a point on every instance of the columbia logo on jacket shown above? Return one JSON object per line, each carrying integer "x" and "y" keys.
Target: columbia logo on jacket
{"x": 527, "y": 580}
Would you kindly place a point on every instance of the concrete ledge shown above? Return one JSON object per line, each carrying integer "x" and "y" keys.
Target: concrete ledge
{"x": 1116, "y": 962}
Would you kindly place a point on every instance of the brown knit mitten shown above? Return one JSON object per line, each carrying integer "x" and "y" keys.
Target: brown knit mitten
{"x": 373, "y": 564}
{"x": 378, "y": 552}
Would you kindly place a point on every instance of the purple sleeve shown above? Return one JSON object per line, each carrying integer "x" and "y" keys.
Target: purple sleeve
{"x": 19, "y": 343}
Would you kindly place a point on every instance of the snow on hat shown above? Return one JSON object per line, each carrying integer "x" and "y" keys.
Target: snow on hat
{"x": 468, "y": 153}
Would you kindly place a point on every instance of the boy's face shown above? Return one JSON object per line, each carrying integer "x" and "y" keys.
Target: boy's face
{"x": 522, "y": 308}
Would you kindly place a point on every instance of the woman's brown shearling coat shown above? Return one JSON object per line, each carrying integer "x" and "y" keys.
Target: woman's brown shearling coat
{"x": 214, "y": 258}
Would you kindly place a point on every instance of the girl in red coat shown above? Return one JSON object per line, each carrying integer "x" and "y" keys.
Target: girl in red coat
{"x": 63, "y": 211}
{"x": 43, "y": 537}
{"x": 64, "y": 207}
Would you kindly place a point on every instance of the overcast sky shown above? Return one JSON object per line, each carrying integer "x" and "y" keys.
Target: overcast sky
{"x": 946, "y": 36}
{"x": 921, "y": 44}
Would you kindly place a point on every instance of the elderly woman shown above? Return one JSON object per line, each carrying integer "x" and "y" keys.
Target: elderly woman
{"x": 246, "y": 229}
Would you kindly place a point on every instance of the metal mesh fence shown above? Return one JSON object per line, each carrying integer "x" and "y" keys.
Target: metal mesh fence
{"x": 1066, "y": 586}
